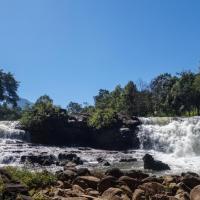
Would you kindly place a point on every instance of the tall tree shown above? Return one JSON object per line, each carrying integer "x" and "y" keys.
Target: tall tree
{"x": 8, "y": 88}
{"x": 129, "y": 98}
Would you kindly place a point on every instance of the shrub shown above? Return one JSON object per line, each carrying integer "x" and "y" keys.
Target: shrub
{"x": 102, "y": 118}
{"x": 32, "y": 180}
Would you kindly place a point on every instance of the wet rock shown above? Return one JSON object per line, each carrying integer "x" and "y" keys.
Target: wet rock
{"x": 106, "y": 182}
{"x": 195, "y": 193}
{"x": 150, "y": 163}
{"x": 128, "y": 160}
{"x": 70, "y": 157}
{"x": 45, "y": 160}
{"x": 136, "y": 174}
{"x": 116, "y": 172}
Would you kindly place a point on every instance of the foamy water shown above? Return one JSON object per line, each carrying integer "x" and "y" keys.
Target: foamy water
{"x": 175, "y": 141}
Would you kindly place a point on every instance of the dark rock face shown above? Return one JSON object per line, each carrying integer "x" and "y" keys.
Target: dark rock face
{"x": 150, "y": 163}
{"x": 70, "y": 157}
{"x": 44, "y": 160}
{"x": 75, "y": 131}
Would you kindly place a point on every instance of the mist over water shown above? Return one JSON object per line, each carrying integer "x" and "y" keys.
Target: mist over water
{"x": 175, "y": 141}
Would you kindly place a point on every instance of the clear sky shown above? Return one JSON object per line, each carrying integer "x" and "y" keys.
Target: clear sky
{"x": 69, "y": 49}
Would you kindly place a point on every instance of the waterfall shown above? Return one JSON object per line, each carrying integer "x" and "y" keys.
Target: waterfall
{"x": 9, "y": 130}
{"x": 178, "y": 136}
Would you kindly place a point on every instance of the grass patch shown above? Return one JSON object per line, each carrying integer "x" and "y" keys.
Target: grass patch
{"x": 32, "y": 180}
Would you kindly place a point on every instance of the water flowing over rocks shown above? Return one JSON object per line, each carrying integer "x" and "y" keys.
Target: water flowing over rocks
{"x": 174, "y": 141}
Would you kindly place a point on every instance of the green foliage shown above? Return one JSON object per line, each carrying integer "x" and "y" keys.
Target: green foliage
{"x": 43, "y": 110}
{"x": 74, "y": 108}
{"x": 32, "y": 180}
{"x": 8, "y": 88}
{"x": 7, "y": 113}
{"x": 102, "y": 118}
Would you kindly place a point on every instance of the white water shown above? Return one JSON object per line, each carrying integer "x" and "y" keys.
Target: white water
{"x": 175, "y": 141}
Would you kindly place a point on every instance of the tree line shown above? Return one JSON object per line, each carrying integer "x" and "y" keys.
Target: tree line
{"x": 165, "y": 95}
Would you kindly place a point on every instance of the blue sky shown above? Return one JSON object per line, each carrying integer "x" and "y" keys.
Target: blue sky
{"x": 69, "y": 49}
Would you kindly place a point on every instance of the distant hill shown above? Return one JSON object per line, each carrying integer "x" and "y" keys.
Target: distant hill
{"x": 22, "y": 103}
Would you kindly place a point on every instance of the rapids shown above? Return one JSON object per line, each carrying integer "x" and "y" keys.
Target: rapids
{"x": 175, "y": 141}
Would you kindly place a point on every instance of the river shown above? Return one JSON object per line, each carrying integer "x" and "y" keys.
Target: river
{"x": 175, "y": 141}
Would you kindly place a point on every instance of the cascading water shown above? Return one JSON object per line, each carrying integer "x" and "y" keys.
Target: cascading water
{"x": 9, "y": 130}
{"x": 180, "y": 136}
{"x": 175, "y": 141}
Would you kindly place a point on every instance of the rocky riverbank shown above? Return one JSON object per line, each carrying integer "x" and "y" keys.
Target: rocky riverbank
{"x": 75, "y": 183}
{"x": 114, "y": 184}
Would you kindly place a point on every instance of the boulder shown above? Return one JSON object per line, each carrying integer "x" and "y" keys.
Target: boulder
{"x": 128, "y": 160}
{"x": 139, "y": 195}
{"x": 116, "y": 172}
{"x": 195, "y": 193}
{"x": 66, "y": 175}
{"x": 152, "y": 188}
{"x": 42, "y": 159}
{"x": 191, "y": 181}
{"x": 130, "y": 182}
{"x": 83, "y": 172}
{"x": 136, "y": 174}
{"x": 70, "y": 157}
{"x": 150, "y": 163}
{"x": 106, "y": 182}
{"x": 114, "y": 194}
{"x": 163, "y": 197}
{"x": 90, "y": 181}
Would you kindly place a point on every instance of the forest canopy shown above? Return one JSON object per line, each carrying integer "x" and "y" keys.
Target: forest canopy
{"x": 165, "y": 95}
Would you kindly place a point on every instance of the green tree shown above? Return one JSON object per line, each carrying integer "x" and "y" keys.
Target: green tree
{"x": 74, "y": 108}
{"x": 160, "y": 88}
{"x": 103, "y": 99}
{"x": 196, "y": 88}
{"x": 8, "y": 88}
{"x": 182, "y": 94}
{"x": 129, "y": 99}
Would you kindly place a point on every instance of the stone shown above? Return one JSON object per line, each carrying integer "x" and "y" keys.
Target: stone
{"x": 152, "y": 188}
{"x": 130, "y": 182}
{"x": 139, "y": 195}
{"x": 136, "y": 174}
{"x": 106, "y": 182}
{"x": 150, "y": 163}
{"x": 114, "y": 194}
{"x": 191, "y": 181}
{"x": 116, "y": 172}
{"x": 70, "y": 157}
{"x": 195, "y": 193}
{"x": 90, "y": 181}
